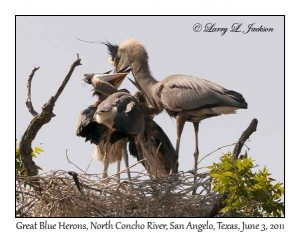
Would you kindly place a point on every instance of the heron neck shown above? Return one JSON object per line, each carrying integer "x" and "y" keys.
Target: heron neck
{"x": 142, "y": 74}
{"x": 146, "y": 82}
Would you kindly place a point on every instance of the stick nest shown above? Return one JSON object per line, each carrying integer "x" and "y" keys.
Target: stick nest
{"x": 56, "y": 194}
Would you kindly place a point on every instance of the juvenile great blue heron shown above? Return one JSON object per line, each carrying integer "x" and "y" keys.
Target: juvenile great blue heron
{"x": 184, "y": 97}
{"x": 126, "y": 116}
{"x": 155, "y": 146}
{"x": 148, "y": 142}
{"x": 98, "y": 134}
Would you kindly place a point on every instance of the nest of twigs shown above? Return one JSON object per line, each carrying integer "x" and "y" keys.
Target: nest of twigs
{"x": 68, "y": 194}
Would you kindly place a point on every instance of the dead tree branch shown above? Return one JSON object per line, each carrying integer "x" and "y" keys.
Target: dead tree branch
{"x": 244, "y": 137}
{"x": 39, "y": 120}
{"x": 28, "y": 99}
{"x": 67, "y": 78}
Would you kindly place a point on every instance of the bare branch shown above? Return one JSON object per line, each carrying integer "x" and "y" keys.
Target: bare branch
{"x": 38, "y": 121}
{"x": 244, "y": 137}
{"x": 28, "y": 99}
{"x": 232, "y": 144}
{"x": 67, "y": 78}
{"x": 72, "y": 162}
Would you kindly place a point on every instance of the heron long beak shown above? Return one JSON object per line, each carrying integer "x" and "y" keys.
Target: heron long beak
{"x": 117, "y": 78}
{"x": 126, "y": 69}
{"x": 114, "y": 79}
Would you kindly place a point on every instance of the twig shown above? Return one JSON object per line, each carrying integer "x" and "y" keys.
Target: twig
{"x": 39, "y": 121}
{"x": 72, "y": 162}
{"x": 215, "y": 151}
{"x": 68, "y": 76}
{"x": 88, "y": 166}
{"x": 245, "y": 135}
{"x": 125, "y": 169}
{"x": 28, "y": 99}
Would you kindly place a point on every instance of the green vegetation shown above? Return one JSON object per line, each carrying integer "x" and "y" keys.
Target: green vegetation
{"x": 20, "y": 171}
{"x": 249, "y": 193}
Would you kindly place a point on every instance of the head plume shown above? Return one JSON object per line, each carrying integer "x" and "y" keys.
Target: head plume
{"x": 111, "y": 49}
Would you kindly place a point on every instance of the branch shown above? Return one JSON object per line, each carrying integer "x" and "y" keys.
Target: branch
{"x": 38, "y": 121}
{"x": 72, "y": 162}
{"x": 28, "y": 99}
{"x": 68, "y": 76}
{"x": 244, "y": 137}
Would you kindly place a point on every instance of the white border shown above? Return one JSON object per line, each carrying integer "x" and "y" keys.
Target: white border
{"x": 7, "y": 20}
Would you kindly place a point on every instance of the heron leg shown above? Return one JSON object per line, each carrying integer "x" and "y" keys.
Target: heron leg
{"x": 180, "y": 121}
{"x": 105, "y": 162}
{"x": 118, "y": 171}
{"x": 196, "y": 153}
{"x": 125, "y": 156}
{"x": 105, "y": 166}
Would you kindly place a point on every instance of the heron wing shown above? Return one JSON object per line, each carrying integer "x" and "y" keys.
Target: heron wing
{"x": 129, "y": 118}
{"x": 88, "y": 128}
{"x": 167, "y": 153}
{"x": 130, "y": 121}
{"x": 118, "y": 100}
{"x": 183, "y": 92}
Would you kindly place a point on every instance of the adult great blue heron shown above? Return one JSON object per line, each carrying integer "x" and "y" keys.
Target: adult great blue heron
{"x": 184, "y": 97}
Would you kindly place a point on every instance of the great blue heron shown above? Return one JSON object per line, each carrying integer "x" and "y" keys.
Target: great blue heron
{"x": 99, "y": 134}
{"x": 184, "y": 97}
{"x": 146, "y": 142}
{"x": 155, "y": 146}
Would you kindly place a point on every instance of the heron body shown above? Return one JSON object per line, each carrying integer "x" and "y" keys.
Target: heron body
{"x": 122, "y": 113}
{"x": 184, "y": 97}
{"x": 156, "y": 147}
{"x": 96, "y": 133}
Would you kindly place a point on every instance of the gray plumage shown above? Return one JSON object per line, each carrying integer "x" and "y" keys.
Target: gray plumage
{"x": 184, "y": 97}
{"x": 154, "y": 146}
{"x": 127, "y": 116}
{"x": 96, "y": 133}
{"x": 124, "y": 114}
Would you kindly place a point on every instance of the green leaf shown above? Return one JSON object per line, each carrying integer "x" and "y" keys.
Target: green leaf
{"x": 229, "y": 174}
{"x": 256, "y": 186}
{"x": 251, "y": 193}
{"x": 38, "y": 150}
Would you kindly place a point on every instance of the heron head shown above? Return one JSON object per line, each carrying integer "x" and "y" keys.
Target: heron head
{"x": 114, "y": 79}
{"x": 126, "y": 53}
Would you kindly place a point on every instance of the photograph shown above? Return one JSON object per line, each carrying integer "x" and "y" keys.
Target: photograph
{"x": 122, "y": 116}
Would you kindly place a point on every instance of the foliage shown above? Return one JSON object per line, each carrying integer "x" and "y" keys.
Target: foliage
{"x": 20, "y": 171}
{"x": 249, "y": 193}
